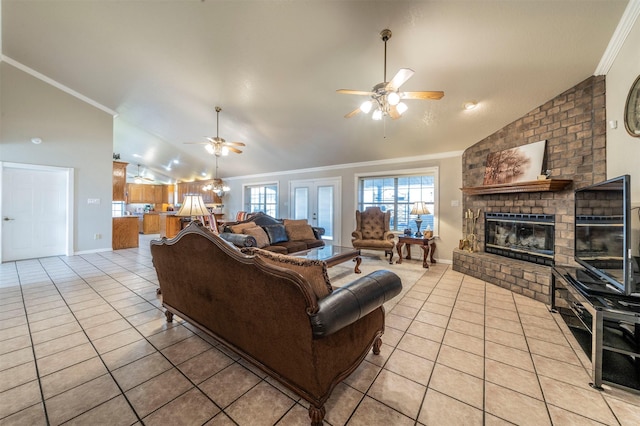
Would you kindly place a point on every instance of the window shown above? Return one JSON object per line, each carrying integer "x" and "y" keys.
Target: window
{"x": 398, "y": 194}
{"x": 261, "y": 198}
{"x": 117, "y": 208}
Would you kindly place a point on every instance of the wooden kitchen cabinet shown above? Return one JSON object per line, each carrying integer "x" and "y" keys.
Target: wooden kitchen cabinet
{"x": 147, "y": 194}
{"x": 119, "y": 181}
{"x": 134, "y": 193}
{"x": 151, "y": 223}
{"x": 124, "y": 232}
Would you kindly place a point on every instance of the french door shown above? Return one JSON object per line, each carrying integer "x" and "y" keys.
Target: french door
{"x": 35, "y": 211}
{"x": 318, "y": 201}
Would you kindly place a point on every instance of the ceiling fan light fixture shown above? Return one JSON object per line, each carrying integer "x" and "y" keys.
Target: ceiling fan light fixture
{"x": 402, "y": 108}
{"x": 393, "y": 98}
{"x": 366, "y": 106}
{"x": 138, "y": 180}
{"x": 224, "y": 150}
{"x": 210, "y": 149}
{"x": 377, "y": 115}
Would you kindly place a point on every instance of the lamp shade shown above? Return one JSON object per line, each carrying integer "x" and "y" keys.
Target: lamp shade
{"x": 419, "y": 208}
{"x": 193, "y": 205}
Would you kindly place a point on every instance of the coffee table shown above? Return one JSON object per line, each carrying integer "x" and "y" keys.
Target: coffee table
{"x": 332, "y": 255}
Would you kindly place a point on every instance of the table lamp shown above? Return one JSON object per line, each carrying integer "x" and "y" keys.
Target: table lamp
{"x": 419, "y": 208}
{"x": 193, "y": 206}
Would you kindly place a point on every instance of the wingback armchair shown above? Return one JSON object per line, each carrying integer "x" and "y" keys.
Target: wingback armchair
{"x": 372, "y": 231}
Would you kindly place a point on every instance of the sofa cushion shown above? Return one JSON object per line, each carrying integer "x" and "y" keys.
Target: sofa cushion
{"x": 299, "y": 232}
{"x": 292, "y": 246}
{"x": 314, "y": 271}
{"x": 240, "y": 227}
{"x": 288, "y": 222}
{"x": 276, "y": 233}
{"x": 262, "y": 240}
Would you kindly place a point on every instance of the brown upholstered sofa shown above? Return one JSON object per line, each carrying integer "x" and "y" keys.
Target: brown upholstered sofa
{"x": 279, "y": 312}
{"x": 280, "y": 236}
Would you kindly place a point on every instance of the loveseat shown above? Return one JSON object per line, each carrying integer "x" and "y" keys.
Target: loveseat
{"x": 280, "y": 236}
{"x": 278, "y": 312}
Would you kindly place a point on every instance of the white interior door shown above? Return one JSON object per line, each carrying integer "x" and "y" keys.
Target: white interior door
{"x": 35, "y": 212}
{"x": 318, "y": 201}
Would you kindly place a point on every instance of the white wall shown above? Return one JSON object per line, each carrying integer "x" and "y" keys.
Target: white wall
{"x": 74, "y": 134}
{"x": 623, "y": 150}
{"x": 450, "y": 181}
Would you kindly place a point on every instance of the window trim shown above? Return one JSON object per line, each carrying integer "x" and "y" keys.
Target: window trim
{"x": 245, "y": 186}
{"x": 435, "y": 170}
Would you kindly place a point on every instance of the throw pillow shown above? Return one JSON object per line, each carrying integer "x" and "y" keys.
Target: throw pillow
{"x": 288, "y": 222}
{"x": 313, "y": 270}
{"x": 299, "y": 232}
{"x": 262, "y": 240}
{"x": 240, "y": 227}
{"x": 276, "y": 233}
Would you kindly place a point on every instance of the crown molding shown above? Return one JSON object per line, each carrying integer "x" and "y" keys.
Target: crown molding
{"x": 57, "y": 85}
{"x": 623, "y": 29}
{"x": 399, "y": 160}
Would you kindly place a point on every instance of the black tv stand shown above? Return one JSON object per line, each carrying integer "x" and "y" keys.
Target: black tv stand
{"x": 605, "y": 323}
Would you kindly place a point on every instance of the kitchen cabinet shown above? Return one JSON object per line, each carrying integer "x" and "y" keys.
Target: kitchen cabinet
{"x": 119, "y": 180}
{"x": 124, "y": 232}
{"x": 169, "y": 225}
{"x": 147, "y": 194}
{"x": 151, "y": 223}
{"x": 209, "y": 197}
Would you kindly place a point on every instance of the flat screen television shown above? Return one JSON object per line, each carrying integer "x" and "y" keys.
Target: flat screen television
{"x": 603, "y": 237}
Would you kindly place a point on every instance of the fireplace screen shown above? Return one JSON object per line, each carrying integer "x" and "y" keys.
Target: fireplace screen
{"x": 527, "y": 237}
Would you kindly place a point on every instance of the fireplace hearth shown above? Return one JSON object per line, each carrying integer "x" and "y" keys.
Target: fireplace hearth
{"x": 528, "y": 237}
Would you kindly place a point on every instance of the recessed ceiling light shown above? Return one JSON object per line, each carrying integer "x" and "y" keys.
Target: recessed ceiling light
{"x": 176, "y": 162}
{"x": 204, "y": 173}
{"x": 469, "y": 105}
{"x": 36, "y": 141}
{"x": 137, "y": 155}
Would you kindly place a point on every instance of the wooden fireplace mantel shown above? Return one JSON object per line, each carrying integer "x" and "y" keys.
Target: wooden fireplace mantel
{"x": 546, "y": 185}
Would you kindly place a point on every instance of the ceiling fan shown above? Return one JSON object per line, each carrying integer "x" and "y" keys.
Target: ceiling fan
{"x": 218, "y": 146}
{"x": 386, "y": 97}
{"x": 138, "y": 178}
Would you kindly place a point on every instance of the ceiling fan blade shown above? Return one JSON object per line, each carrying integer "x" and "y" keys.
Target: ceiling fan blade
{"x": 354, "y": 92}
{"x": 352, "y": 113}
{"x": 422, "y": 95}
{"x": 393, "y": 112}
{"x": 236, "y": 150}
{"x": 399, "y": 79}
{"x": 235, "y": 143}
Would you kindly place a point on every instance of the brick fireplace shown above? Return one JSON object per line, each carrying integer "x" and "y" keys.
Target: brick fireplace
{"x": 574, "y": 126}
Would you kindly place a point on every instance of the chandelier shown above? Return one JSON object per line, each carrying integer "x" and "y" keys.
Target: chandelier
{"x": 217, "y": 186}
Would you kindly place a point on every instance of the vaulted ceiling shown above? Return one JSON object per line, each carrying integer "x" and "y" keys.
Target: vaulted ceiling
{"x": 274, "y": 67}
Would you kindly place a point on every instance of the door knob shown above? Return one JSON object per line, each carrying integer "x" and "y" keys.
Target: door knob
{"x": 6, "y": 219}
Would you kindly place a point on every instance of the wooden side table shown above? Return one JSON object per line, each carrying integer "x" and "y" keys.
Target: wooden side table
{"x": 428, "y": 246}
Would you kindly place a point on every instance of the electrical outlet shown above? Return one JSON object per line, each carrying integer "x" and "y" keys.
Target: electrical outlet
{"x": 97, "y": 236}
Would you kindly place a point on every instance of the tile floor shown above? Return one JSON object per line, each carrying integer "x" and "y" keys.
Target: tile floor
{"x": 83, "y": 341}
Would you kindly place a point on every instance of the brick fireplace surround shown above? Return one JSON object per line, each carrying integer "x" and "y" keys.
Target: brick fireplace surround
{"x": 574, "y": 126}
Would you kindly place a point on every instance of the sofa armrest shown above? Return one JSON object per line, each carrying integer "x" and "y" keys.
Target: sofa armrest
{"x": 240, "y": 240}
{"x": 318, "y": 232}
{"x": 388, "y": 235}
{"x": 357, "y": 235}
{"x": 348, "y": 304}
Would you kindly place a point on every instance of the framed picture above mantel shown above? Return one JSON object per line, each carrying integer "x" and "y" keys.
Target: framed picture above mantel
{"x": 520, "y": 164}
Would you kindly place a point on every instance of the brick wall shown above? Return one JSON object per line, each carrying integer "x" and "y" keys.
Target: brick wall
{"x": 574, "y": 126}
